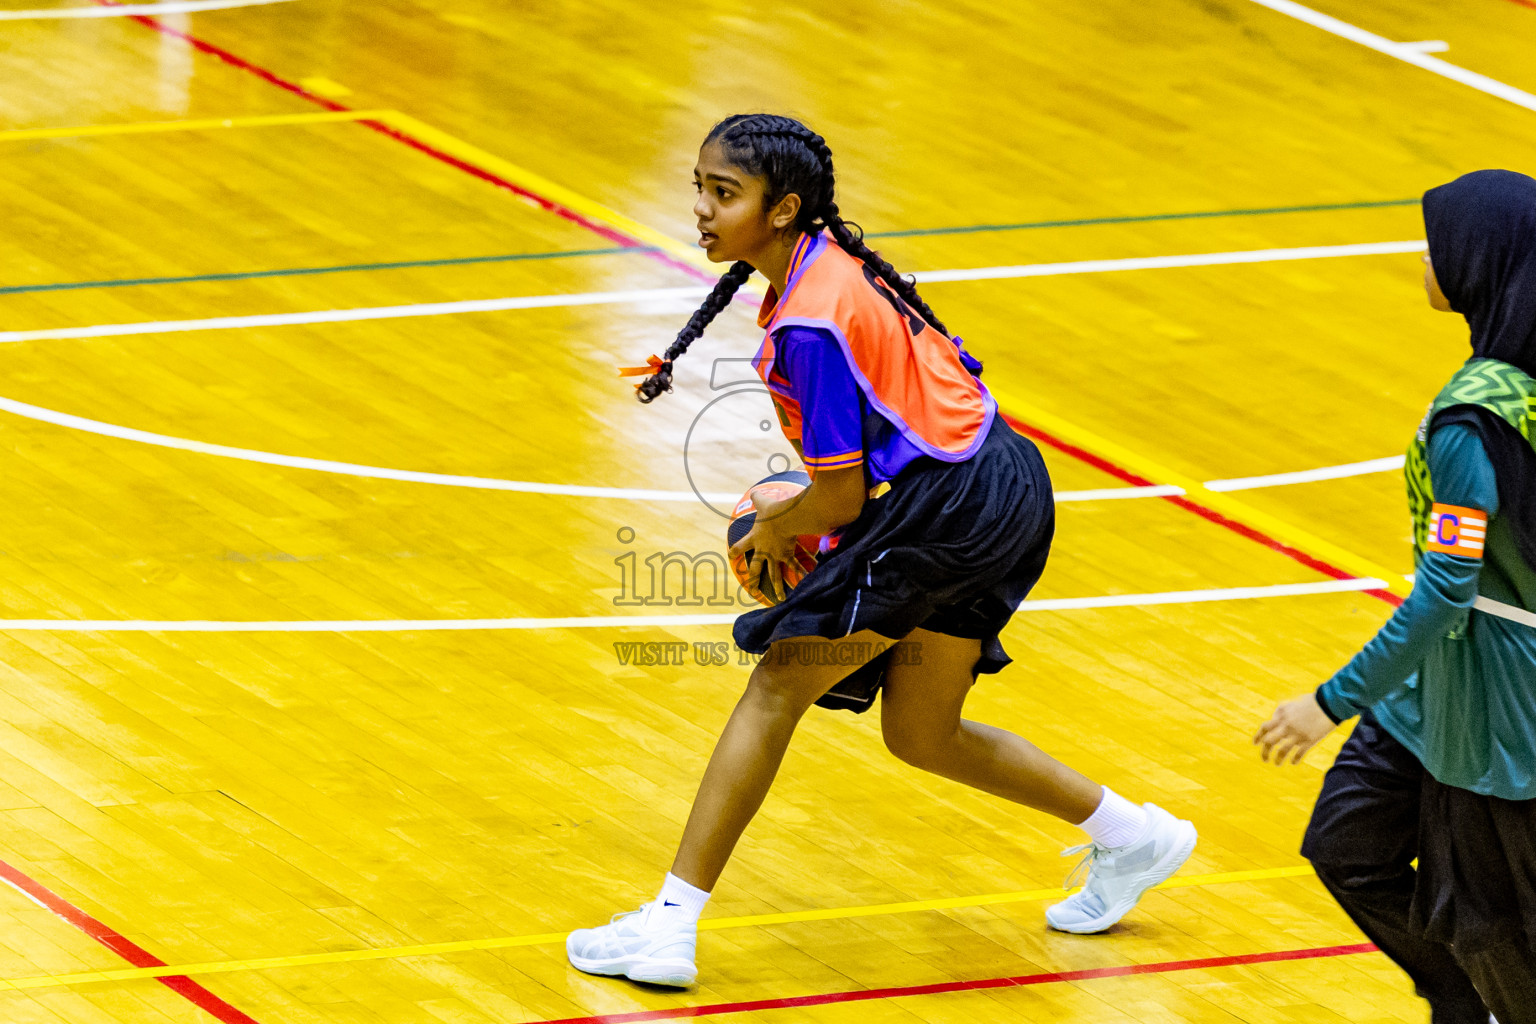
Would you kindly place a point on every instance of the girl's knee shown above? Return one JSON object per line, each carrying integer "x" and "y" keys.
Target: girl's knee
{"x": 779, "y": 689}
{"x": 921, "y": 745}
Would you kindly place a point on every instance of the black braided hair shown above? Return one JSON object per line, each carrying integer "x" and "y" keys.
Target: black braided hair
{"x": 793, "y": 159}
{"x": 649, "y": 389}
{"x": 850, "y": 237}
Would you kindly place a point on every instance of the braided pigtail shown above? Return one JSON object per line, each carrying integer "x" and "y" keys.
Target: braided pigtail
{"x": 790, "y": 158}
{"x": 850, "y": 237}
{"x": 661, "y": 379}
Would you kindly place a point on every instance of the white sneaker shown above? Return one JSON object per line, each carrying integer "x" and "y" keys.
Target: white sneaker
{"x": 648, "y": 944}
{"x": 1117, "y": 876}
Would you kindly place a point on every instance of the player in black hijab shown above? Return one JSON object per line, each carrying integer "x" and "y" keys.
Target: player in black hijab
{"x": 1482, "y": 244}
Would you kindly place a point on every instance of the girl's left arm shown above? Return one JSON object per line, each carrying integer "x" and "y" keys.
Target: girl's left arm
{"x": 835, "y": 498}
{"x": 831, "y": 445}
{"x": 831, "y": 442}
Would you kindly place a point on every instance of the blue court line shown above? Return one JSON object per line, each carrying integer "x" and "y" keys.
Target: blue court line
{"x": 565, "y": 254}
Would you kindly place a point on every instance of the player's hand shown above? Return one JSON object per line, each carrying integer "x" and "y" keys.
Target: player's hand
{"x": 1294, "y": 728}
{"x": 771, "y": 548}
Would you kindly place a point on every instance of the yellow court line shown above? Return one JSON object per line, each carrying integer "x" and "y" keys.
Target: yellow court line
{"x": 524, "y": 178}
{"x": 207, "y": 124}
{"x": 1220, "y": 502}
{"x": 1197, "y": 492}
{"x": 552, "y": 938}
{"x": 955, "y": 902}
{"x": 690, "y": 255}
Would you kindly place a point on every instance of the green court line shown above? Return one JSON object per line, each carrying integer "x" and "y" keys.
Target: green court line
{"x": 513, "y": 257}
{"x": 1257, "y": 211}
{"x": 295, "y": 271}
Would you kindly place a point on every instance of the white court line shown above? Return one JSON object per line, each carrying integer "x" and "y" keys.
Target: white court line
{"x": 1209, "y": 259}
{"x": 1307, "y": 476}
{"x": 330, "y": 316}
{"x": 133, "y": 10}
{"x": 652, "y": 294}
{"x": 1410, "y": 53}
{"x": 35, "y": 412}
{"x": 1200, "y": 596}
{"x": 64, "y": 419}
{"x": 630, "y": 621}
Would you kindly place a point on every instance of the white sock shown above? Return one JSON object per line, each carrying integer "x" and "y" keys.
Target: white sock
{"x": 678, "y": 897}
{"x": 1116, "y": 821}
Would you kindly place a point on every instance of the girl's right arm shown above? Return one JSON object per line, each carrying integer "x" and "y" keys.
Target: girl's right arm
{"x": 1443, "y": 590}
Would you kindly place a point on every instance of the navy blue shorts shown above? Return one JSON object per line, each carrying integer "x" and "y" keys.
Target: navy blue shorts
{"x": 952, "y": 547}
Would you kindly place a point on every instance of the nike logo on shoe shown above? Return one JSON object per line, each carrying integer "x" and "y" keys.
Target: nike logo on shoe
{"x": 669, "y": 903}
{"x": 1134, "y": 860}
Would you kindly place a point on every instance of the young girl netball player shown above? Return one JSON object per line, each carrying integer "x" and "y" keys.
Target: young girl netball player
{"x": 871, "y": 388}
{"x": 1442, "y": 765}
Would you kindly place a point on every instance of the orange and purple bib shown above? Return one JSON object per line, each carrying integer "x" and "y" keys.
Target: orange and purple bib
{"x": 917, "y": 378}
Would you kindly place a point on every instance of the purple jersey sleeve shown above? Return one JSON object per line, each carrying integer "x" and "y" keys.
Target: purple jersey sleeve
{"x": 831, "y": 405}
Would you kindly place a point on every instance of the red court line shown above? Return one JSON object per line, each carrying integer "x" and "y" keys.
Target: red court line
{"x": 194, "y": 992}
{"x": 620, "y": 238}
{"x": 1136, "y": 479}
{"x": 236, "y": 61}
{"x": 863, "y": 995}
{"x": 123, "y": 946}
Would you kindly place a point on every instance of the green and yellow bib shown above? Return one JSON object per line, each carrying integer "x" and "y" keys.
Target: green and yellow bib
{"x": 1504, "y": 390}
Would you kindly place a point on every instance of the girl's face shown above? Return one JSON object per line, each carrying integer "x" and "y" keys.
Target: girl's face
{"x": 1437, "y": 299}
{"x": 732, "y": 222}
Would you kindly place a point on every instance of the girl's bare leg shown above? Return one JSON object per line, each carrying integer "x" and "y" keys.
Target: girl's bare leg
{"x": 788, "y": 680}
{"x": 920, "y": 718}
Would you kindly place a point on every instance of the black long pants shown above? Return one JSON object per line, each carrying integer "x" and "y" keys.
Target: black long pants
{"x": 1362, "y": 840}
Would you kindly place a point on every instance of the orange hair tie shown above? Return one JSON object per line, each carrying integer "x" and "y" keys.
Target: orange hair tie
{"x": 652, "y": 366}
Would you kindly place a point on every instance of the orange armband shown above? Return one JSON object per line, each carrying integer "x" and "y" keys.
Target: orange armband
{"x": 1454, "y": 530}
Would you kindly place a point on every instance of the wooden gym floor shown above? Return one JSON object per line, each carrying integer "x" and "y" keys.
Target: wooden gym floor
{"x": 246, "y": 774}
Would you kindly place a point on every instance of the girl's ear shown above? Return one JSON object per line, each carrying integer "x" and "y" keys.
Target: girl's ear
{"x": 785, "y": 213}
